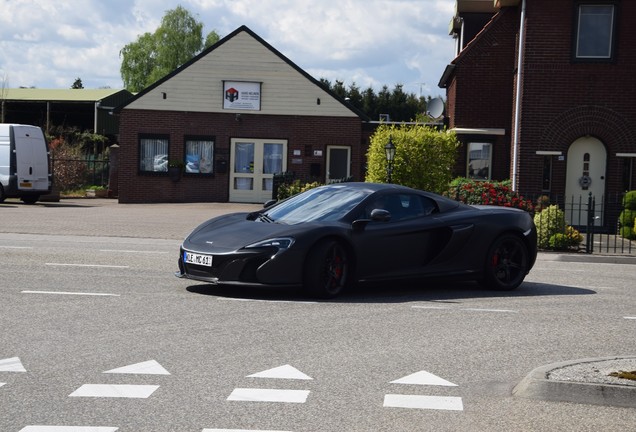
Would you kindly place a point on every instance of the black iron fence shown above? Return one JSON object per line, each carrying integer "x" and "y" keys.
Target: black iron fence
{"x": 73, "y": 174}
{"x": 584, "y": 224}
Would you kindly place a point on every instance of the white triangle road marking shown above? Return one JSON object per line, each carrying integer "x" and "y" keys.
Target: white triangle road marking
{"x": 282, "y": 372}
{"x": 115, "y": 391}
{"x": 424, "y": 402}
{"x": 150, "y": 367}
{"x": 68, "y": 429}
{"x": 12, "y": 364}
{"x": 424, "y": 378}
{"x": 268, "y": 395}
{"x": 1, "y": 384}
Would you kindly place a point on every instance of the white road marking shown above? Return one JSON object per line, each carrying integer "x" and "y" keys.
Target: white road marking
{"x": 632, "y": 318}
{"x": 16, "y": 247}
{"x": 68, "y": 429}
{"x": 268, "y": 395}
{"x": 1, "y": 384}
{"x": 239, "y": 430}
{"x": 85, "y": 265}
{"x": 71, "y": 293}
{"x": 282, "y": 372}
{"x": 12, "y": 364}
{"x": 134, "y": 251}
{"x": 150, "y": 367}
{"x": 115, "y": 391}
{"x": 265, "y": 301}
{"x": 424, "y": 378}
{"x": 424, "y": 402}
{"x": 465, "y": 309}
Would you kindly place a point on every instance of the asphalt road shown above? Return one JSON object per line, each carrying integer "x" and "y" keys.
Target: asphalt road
{"x": 97, "y": 333}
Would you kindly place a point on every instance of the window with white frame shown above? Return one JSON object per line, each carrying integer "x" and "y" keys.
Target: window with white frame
{"x": 479, "y": 160}
{"x": 595, "y": 28}
{"x": 153, "y": 153}
{"x": 199, "y": 155}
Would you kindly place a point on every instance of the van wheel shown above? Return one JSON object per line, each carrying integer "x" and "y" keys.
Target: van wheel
{"x": 31, "y": 199}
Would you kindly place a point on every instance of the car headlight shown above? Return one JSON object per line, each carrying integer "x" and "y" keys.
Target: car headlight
{"x": 282, "y": 243}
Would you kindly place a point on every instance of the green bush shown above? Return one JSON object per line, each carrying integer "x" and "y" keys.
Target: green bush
{"x": 550, "y": 221}
{"x": 424, "y": 157}
{"x": 629, "y": 200}
{"x": 286, "y": 190}
{"x": 471, "y": 191}
{"x": 627, "y": 218}
{"x": 628, "y": 233}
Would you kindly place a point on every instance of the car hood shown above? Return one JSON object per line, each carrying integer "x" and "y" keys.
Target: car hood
{"x": 232, "y": 232}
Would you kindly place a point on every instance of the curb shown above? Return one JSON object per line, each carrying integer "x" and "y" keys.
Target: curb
{"x": 537, "y": 385}
{"x": 588, "y": 258}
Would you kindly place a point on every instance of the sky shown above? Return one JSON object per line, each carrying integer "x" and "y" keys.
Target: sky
{"x": 372, "y": 43}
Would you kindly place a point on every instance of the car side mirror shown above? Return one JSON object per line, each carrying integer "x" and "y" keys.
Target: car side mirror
{"x": 269, "y": 203}
{"x": 380, "y": 215}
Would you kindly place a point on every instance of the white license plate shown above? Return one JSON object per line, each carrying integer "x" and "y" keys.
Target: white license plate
{"x": 198, "y": 259}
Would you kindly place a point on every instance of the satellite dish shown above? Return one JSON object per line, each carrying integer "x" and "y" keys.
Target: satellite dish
{"x": 435, "y": 108}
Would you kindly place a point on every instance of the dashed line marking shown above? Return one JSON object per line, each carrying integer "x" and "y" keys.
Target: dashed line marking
{"x": 134, "y": 251}
{"x": 85, "y": 265}
{"x": 115, "y": 391}
{"x": 630, "y": 318}
{"x": 71, "y": 293}
{"x": 465, "y": 309}
{"x": 268, "y": 395}
{"x": 264, "y": 301}
{"x": 424, "y": 402}
{"x": 68, "y": 429}
{"x": 12, "y": 364}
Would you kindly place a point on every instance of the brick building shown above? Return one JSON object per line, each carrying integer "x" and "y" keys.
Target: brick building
{"x": 541, "y": 92}
{"x": 232, "y": 117}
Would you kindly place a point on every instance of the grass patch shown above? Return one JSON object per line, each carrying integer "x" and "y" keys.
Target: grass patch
{"x": 625, "y": 375}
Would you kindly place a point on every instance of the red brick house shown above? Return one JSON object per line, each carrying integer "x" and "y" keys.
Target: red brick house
{"x": 542, "y": 92}
{"x": 232, "y": 117}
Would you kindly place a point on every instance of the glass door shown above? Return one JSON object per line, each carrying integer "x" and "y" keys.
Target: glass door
{"x": 253, "y": 165}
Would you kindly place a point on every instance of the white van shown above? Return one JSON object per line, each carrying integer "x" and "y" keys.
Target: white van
{"x": 24, "y": 163}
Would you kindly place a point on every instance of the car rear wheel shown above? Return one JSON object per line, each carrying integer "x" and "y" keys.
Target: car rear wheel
{"x": 327, "y": 270}
{"x": 506, "y": 263}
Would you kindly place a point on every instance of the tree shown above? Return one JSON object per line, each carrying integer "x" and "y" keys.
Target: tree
{"x": 154, "y": 55}
{"x": 77, "y": 84}
{"x": 424, "y": 156}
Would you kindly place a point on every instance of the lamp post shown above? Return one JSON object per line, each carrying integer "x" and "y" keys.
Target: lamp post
{"x": 389, "y": 150}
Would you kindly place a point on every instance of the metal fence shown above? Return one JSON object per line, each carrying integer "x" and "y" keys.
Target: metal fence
{"x": 73, "y": 174}
{"x": 597, "y": 221}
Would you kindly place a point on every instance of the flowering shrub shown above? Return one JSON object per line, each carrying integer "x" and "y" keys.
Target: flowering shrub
{"x": 487, "y": 193}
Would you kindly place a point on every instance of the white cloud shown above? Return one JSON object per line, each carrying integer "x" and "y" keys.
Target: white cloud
{"x": 369, "y": 42}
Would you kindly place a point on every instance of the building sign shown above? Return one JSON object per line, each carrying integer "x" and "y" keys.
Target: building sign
{"x": 242, "y": 95}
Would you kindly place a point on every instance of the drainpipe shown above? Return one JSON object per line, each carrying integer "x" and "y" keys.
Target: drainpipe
{"x": 515, "y": 145}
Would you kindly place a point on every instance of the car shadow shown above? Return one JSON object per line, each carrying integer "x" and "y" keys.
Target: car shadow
{"x": 393, "y": 292}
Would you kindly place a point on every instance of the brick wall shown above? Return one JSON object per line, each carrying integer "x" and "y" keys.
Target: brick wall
{"x": 302, "y": 133}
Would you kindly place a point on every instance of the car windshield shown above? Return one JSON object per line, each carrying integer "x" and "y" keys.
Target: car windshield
{"x": 320, "y": 204}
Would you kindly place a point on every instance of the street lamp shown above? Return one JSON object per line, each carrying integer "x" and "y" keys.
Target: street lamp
{"x": 389, "y": 150}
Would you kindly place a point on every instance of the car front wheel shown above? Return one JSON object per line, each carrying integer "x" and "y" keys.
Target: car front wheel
{"x": 506, "y": 263}
{"x": 327, "y": 270}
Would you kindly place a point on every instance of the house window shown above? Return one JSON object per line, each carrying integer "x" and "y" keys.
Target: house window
{"x": 546, "y": 178}
{"x": 199, "y": 155}
{"x": 628, "y": 171}
{"x": 595, "y": 28}
{"x": 479, "y": 161}
{"x": 153, "y": 153}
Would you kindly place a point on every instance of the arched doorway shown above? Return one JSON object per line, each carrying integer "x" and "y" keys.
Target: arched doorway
{"x": 586, "y": 172}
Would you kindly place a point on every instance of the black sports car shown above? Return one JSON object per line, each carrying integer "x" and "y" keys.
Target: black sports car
{"x": 333, "y": 236}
